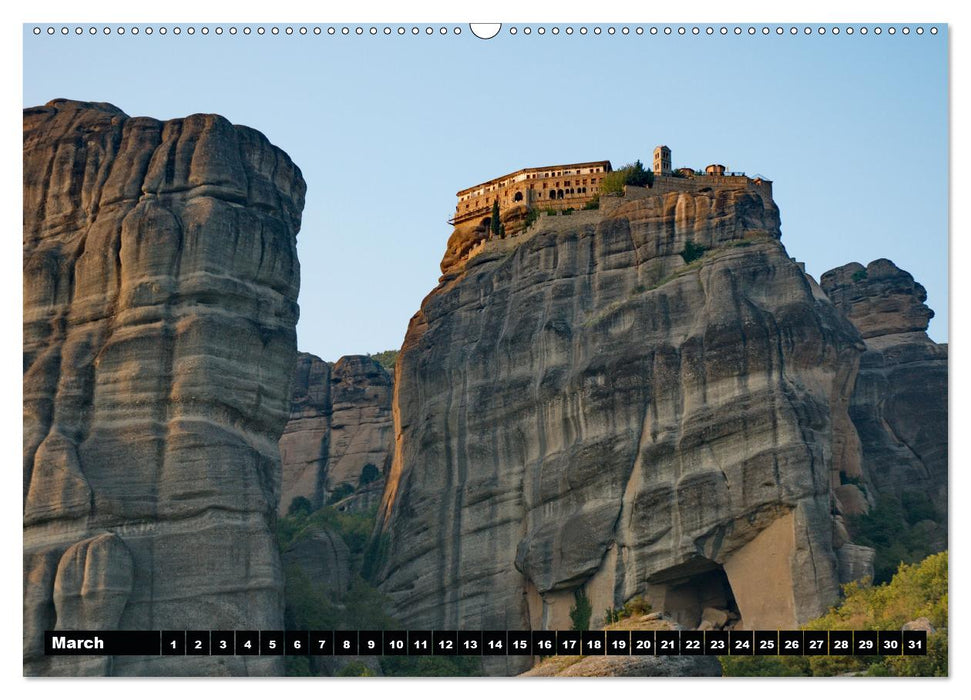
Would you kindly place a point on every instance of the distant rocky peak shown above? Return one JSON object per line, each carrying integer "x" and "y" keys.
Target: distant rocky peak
{"x": 880, "y": 299}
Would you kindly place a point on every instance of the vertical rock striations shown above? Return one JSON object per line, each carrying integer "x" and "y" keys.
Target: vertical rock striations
{"x": 586, "y": 406}
{"x": 340, "y": 423}
{"x": 160, "y": 288}
{"x": 899, "y": 402}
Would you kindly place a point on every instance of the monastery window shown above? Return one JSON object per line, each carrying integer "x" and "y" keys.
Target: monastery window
{"x": 518, "y": 197}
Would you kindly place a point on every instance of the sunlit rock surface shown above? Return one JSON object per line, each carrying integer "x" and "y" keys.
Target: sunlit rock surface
{"x": 160, "y": 287}
{"x": 580, "y": 406}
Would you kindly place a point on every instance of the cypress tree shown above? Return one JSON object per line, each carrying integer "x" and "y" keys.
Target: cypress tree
{"x": 494, "y": 223}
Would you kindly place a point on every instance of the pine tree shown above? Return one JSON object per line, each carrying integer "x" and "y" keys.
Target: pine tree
{"x": 580, "y": 612}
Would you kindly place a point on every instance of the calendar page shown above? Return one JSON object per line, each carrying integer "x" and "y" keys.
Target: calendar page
{"x": 525, "y": 349}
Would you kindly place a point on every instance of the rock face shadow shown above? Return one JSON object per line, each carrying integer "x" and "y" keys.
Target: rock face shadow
{"x": 695, "y": 593}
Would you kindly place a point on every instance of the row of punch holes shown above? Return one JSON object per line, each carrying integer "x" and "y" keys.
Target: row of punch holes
{"x": 482, "y": 33}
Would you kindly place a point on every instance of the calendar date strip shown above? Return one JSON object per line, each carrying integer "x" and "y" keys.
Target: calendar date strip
{"x": 486, "y": 643}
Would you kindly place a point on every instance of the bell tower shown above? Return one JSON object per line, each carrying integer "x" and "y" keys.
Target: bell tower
{"x": 662, "y": 160}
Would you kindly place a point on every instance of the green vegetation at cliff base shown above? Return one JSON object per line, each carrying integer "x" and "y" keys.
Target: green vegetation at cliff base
{"x": 899, "y": 530}
{"x": 916, "y": 591}
{"x": 309, "y": 605}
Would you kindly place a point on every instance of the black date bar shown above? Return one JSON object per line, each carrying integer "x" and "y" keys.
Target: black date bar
{"x": 102, "y": 643}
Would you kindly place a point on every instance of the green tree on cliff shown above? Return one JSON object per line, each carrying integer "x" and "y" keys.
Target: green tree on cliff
{"x": 386, "y": 358}
{"x": 637, "y": 175}
{"x": 369, "y": 474}
{"x": 631, "y": 174}
{"x": 580, "y": 612}
{"x": 494, "y": 222}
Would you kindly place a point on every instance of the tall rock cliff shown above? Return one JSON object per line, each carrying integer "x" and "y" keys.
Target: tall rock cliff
{"x": 649, "y": 398}
{"x": 160, "y": 288}
{"x": 340, "y": 423}
{"x": 899, "y": 402}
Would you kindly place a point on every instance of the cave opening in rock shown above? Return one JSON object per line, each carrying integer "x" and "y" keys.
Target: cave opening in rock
{"x": 696, "y": 594}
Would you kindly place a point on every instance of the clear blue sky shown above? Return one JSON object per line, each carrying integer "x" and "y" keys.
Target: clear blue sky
{"x": 851, "y": 129}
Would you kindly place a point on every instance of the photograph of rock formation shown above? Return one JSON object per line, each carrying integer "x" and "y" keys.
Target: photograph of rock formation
{"x": 611, "y": 394}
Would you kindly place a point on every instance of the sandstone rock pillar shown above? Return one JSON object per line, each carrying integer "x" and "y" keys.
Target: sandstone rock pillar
{"x": 160, "y": 288}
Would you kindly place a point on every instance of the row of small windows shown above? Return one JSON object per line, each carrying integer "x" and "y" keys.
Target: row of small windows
{"x": 593, "y": 181}
{"x": 558, "y": 194}
{"x": 560, "y": 173}
{"x": 531, "y": 176}
{"x": 554, "y": 193}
